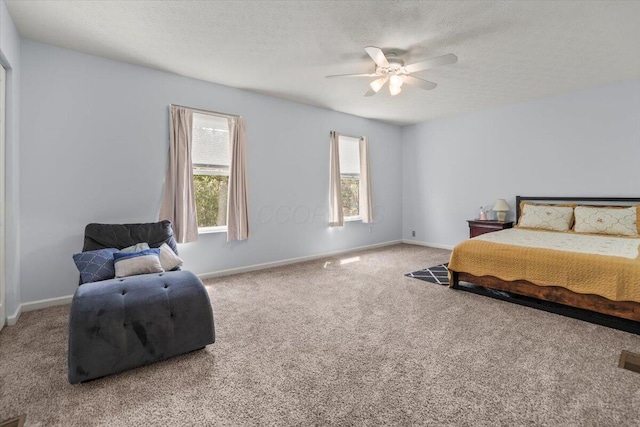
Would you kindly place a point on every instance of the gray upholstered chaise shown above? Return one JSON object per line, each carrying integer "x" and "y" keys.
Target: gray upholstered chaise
{"x": 120, "y": 324}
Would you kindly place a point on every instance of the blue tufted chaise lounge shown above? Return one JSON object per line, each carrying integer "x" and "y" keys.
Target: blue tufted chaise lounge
{"x": 122, "y": 323}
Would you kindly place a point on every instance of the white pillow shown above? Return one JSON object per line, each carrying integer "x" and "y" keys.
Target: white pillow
{"x": 606, "y": 220}
{"x": 546, "y": 217}
{"x": 168, "y": 259}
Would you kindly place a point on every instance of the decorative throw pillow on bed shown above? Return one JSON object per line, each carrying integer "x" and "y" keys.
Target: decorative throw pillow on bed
{"x": 135, "y": 248}
{"x": 95, "y": 266}
{"x": 168, "y": 259}
{"x": 607, "y": 220}
{"x": 143, "y": 262}
{"x": 546, "y": 217}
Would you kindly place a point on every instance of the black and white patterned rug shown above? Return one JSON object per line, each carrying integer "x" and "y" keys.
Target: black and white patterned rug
{"x": 437, "y": 274}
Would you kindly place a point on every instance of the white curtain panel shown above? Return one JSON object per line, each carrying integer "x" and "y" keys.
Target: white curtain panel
{"x": 178, "y": 201}
{"x": 366, "y": 200}
{"x": 237, "y": 202}
{"x": 336, "y": 217}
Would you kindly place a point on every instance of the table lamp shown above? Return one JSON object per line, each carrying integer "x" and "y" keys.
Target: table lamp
{"x": 501, "y": 208}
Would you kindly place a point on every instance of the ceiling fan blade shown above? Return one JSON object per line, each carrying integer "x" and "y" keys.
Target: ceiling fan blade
{"x": 370, "y": 92}
{"x": 377, "y": 84}
{"x": 351, "y": 75}
{"x": 377, "y": 55}
{"x": 438, "y": 61}
{"x": 421, "y": 83}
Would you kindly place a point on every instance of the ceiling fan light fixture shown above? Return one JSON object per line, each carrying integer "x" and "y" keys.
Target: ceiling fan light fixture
{"x": 377, "y": 84}
{"x": 396, "y": 80}
{"x": 390, "y": 68}
{"x": 394, "y": 90}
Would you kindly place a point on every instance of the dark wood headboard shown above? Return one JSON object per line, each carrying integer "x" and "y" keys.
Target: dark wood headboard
{"x": 588, "y": 200}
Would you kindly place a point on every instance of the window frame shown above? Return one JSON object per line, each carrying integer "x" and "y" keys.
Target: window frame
{"x": 223, "y": 170}
{"x": 351, "y": 176}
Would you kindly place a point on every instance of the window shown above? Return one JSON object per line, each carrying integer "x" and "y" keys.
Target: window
{"x": 350, "y": 176}
{"x": 210, "y": 159}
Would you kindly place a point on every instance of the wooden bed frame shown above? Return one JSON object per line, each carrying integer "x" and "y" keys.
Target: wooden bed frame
{"x": 624, "y": 309}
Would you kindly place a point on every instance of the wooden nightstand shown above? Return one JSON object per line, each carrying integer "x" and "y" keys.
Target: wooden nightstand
{"x": 478, "y": 227}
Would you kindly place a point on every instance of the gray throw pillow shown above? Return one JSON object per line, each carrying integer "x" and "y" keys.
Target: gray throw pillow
{"x": 131, "y": 264}
{"x": 138, "y": 247}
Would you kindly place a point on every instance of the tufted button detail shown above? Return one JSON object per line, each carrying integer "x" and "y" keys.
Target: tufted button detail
{"x": 124, "y": 292}
{"x": 171, "y": 314}
{"x": 122, "y": 280}
{"x": 161, "y": 274}
{"x": 166, "y": 286}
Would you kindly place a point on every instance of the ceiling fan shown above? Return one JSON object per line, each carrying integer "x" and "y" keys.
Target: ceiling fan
{"x": 390, "y": 68}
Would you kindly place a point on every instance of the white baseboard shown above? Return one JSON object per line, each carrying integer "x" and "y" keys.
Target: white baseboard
{"x": 44, "y": 303}
{"x": 272, "y": 264}
{"x": 13, "y": 319}
{"x": 431, "y": 245}
{"x": 51, "y": 302}
{"x": 37, "y": 305}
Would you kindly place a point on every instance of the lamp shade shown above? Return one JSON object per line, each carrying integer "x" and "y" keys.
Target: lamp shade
{"x": 501, "y": 205}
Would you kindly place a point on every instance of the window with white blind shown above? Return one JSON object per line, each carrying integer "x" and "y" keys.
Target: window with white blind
{"x": 350, "y": 177}
{"x": 210, "y": 159}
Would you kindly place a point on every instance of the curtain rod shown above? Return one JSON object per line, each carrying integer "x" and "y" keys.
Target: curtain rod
{"x": 348, "y": 136}
{"x": 200, "y": 110}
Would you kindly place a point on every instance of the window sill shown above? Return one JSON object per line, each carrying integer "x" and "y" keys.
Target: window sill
{"x": 210, "y": 230}
{"x": 352, "y": 218}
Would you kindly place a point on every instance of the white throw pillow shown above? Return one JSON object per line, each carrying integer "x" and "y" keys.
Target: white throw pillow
{"x": 546, "y": 217}
{"x": 168, "y": 259}
{"x": 606, "y": 220}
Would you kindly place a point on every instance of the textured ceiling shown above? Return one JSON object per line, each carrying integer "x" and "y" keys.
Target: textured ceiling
{"x": 508, "y": 51}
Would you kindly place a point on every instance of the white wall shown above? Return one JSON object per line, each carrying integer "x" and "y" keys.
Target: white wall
{"x": 10, "y": 59}
{"x": 584, "y": 143}
{"x": 94, "y": 146}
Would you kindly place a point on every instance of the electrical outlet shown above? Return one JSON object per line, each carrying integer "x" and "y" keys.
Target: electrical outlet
{"x": 413, "y": 234}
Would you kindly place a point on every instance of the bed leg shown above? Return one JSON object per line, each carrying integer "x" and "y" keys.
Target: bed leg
{"x": 453, "y": 279}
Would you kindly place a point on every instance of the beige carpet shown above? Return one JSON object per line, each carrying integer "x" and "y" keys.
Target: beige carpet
{"x": 351, "y": 344}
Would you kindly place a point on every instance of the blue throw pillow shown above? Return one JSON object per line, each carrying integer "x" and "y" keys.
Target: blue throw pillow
{"x": 95, "y": 266}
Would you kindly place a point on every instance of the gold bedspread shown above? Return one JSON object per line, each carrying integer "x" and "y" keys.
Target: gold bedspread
{"x": 613, "y": 277}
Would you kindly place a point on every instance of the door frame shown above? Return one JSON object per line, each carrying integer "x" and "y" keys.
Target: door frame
{"x": 3, "y": 169}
